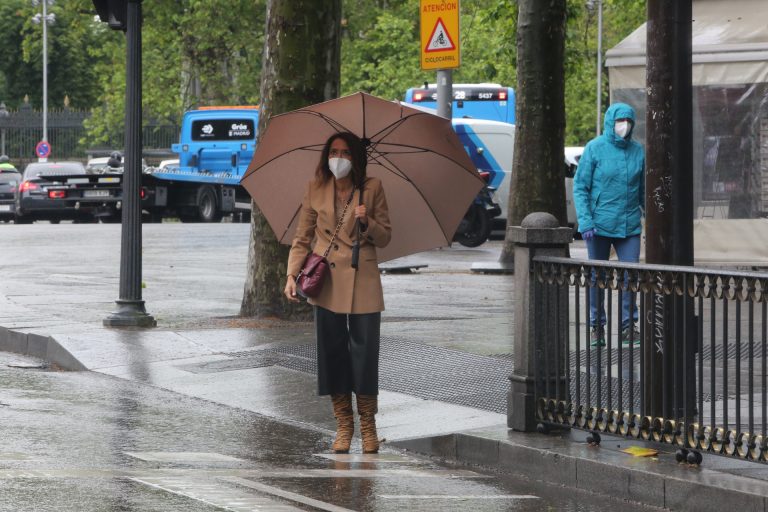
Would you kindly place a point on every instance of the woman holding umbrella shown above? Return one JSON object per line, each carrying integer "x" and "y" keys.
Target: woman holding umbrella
{"x": 348, "y": 308}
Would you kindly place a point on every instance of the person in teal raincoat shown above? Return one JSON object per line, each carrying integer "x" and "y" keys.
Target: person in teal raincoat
{"x": 609, "y": 195}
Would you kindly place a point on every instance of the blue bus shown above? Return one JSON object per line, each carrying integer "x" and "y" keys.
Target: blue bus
{"x": 477, "y": 101}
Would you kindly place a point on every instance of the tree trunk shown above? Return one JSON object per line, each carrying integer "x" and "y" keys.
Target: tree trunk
{"x": 537, "y": 171}
{"x": 669, "y": 203}
{"x": 301, "y": 67}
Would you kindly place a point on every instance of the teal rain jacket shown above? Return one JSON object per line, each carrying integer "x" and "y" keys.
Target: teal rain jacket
{"x": 609, "y": 186}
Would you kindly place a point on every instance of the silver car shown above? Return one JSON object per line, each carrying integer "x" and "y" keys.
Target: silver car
{"x": 9, "y": 187}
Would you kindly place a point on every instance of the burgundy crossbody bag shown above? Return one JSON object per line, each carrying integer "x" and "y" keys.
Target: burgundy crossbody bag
{"x": 313, "y": 273}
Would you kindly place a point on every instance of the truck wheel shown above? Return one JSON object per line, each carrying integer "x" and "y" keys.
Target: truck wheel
{"x": 152, "y": 218}
{"x": 208, "y": 210}
{"x": 475, "y": 227}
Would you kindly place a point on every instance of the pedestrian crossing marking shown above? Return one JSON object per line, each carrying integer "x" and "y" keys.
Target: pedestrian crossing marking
{"x": 366, "y": 457}
{"x": 216, "y": 494}
{"x": 458, "y": 496}
{"x": 184, "y": 457}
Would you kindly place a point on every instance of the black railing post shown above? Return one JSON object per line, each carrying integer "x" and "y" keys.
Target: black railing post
{"x": 539, "y": 234}
{"x": 130, "y": 306}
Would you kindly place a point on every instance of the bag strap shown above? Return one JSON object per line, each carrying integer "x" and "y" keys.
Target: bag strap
{"x": 338, "y": 226}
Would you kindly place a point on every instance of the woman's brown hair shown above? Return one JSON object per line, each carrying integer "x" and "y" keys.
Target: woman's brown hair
{"x": 359, "y": 158}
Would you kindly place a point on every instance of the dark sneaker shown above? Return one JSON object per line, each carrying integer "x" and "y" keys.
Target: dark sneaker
{"x": 597, "y": 337}
{"x": 630, "y": 335}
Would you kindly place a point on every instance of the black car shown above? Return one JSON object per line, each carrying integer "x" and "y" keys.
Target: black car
{"x": 43, "y": 184}
{"x": 9, "y": 186}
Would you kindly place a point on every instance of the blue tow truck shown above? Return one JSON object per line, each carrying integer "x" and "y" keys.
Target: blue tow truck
{"x": 215, "y": 146}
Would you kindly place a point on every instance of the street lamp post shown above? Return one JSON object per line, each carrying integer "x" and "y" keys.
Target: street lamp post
{"x": 4, "y": 115}
{"x": 598, "y": 4}
{"x": 599, "y": 63}
{"x": 46, "y": 19}
{"x": 126, "y": 15}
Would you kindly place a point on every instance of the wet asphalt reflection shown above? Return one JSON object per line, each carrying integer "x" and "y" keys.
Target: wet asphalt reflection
{"x": 87, "y": 442}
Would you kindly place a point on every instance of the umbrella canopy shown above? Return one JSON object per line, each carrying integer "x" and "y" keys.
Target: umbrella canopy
{"x": 428, "y": 178}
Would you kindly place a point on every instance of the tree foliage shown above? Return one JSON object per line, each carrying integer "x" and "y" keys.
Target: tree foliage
{"x": 70, "y": 73}
{"x": 209, "y": 52}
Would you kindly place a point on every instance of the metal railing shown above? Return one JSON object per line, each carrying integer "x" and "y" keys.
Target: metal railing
{"x": 694, "y": 377}
{"x": 21, "y": 130}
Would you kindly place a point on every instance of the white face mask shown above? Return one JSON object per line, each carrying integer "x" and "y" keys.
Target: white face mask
{"x": 621, "y": 128}
{"x": 340, "y": 167}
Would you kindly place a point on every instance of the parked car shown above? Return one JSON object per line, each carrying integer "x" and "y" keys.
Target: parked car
{"x": 42, "y": 184}
{"x": 572, "y": 156}
{"x": 174, "y": 162}
{"x": 10, "y": 179}
{"x": 100, "y": 164}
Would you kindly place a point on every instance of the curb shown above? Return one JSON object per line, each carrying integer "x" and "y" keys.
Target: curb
{"x": 606, "y": 472}
{"x": 41, "y": 347}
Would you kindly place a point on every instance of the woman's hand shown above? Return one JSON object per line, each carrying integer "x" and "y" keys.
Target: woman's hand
{"x": 361, "y": 213}
{"x": 290, "y": 289}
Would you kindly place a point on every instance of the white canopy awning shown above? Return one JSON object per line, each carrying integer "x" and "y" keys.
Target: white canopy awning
{"x": 730, "y": 46}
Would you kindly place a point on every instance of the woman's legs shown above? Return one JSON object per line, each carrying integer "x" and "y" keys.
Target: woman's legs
{"x": 599, "y": 248}
{"x": 347, "y": 360}
{"x": 364, "y": 348}
{"x": 345, "y": 422}
{"x": 334, "y": 365}
{"x": 364, "y": 335}
{"x": 628, "y": 250}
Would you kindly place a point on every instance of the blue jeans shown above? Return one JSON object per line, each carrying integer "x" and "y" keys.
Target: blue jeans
{"x": 628, "y": 250}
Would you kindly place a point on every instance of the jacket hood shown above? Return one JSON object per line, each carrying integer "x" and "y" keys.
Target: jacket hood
{"x": 614, "y": 112}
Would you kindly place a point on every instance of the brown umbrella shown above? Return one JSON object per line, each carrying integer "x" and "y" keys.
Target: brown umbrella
{"x": 428, "y": 178}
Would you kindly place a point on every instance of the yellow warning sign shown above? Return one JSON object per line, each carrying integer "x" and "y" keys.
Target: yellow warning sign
{"x": 440, "y": 34}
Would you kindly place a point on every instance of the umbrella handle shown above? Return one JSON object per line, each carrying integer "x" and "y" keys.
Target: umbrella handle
{"x": 356, "y": 245}
{"x": 356, "y": 251}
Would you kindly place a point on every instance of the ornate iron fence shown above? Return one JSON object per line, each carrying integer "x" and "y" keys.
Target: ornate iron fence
{"x": 695, "y": 376}
{"x": 22, "y": 129}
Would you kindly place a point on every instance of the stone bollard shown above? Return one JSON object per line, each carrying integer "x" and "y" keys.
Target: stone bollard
{"x": 539, "y": 234}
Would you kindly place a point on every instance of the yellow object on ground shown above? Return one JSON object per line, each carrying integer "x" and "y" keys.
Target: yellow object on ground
{"x": 639, "y": 451}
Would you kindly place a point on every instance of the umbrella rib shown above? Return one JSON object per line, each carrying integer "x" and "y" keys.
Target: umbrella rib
{"x": 472, "y": 171}
{"x": 332, "y": 122}
{"x": 392, "y": 126}
{"x": 287, "y": 226}
{"x": 314, "y": 147}
{"x": 399, "y": 173}
{"x": 391, "y": 167}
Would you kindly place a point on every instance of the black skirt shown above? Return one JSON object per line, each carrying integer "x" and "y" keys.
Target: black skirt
{"x": 347, "y": 352}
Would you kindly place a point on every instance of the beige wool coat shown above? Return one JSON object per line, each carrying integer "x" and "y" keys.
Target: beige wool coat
{"x": 345, "y": 290}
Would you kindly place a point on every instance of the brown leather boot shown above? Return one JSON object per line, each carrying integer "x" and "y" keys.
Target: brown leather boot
{"x": 345, "y": 422}
{"x": 367, "y": 407}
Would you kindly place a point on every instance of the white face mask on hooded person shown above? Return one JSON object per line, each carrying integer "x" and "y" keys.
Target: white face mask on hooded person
{"x": 621, "y": 128}
{"x": 340, "y": 167}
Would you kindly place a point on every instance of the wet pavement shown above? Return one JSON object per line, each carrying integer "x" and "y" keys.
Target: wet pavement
{"x": 209, "y": 411}
{"x": 194, "y": 274}
{"x": 81, "y": 441}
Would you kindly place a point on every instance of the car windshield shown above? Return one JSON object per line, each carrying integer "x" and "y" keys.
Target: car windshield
{"x": 48, "y": 169}
{"x": 10, "y": 176}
